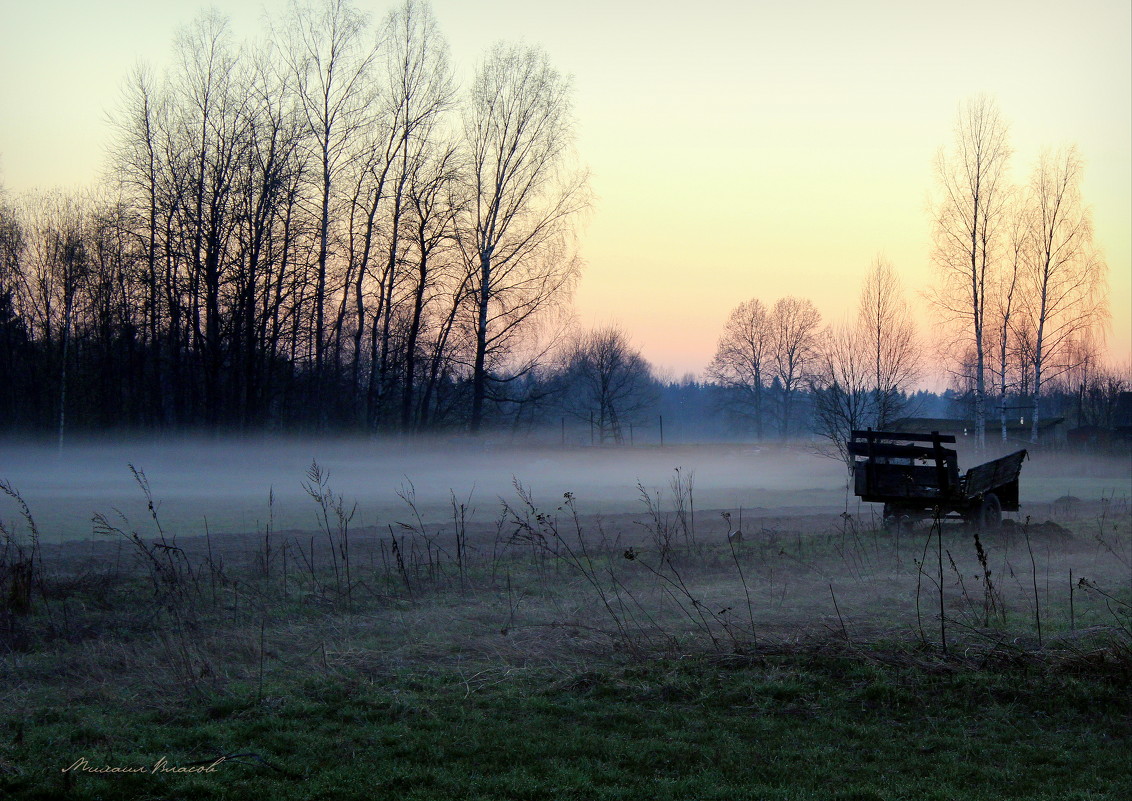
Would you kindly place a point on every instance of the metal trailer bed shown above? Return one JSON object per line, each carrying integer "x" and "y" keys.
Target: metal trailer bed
{"x": 915, "y": 477}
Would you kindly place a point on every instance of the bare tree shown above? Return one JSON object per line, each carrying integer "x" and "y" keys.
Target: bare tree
{"x": 331, "y": 52}
{"x": 1066, "y": 292}
{"x": 418, "y": 96}
{"x": 137, "y": 167}
{"x": 266, "y": 235}
{"x": 607, "y": 380}
{"x": 1084, "y": 380}
{"x": 54, "y": 270}
{"x": 210, "y": 123}
{"x": 1098, "y": 391}
{"x": 843, "y": 385}
{"x": 1004, "y": 304}
{"x": 968, "y": 229}
{"x": 864, "y": 369}
{"x": 742, "y": 359}
{"x": 889, "y": 334}
{"x": 12, "y": 243}
{"x": 430, "y": 222}
{"x": 13, "y": 334}
{"x": 794, "y": 329}
{"x": 153, "y": 166}
{"x": 518, "y": 126}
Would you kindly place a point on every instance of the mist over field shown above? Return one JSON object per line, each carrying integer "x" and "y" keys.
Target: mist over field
{"x": 285, "y": 637}
{"x": 226, "y": 483}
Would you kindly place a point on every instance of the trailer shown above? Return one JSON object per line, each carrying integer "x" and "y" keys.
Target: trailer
{"x": 917, "y": 478}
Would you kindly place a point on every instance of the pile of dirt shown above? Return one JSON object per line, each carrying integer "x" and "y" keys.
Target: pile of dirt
{"x": 1048, "y": 529}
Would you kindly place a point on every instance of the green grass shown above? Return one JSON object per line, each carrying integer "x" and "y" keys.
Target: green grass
{"x": 798, "y": 726}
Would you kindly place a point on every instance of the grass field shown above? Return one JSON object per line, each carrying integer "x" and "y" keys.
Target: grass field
{"x": 822, "y": 724}
{"x": 551, "y": 651}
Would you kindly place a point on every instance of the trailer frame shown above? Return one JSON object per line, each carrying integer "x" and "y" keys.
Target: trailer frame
{"x": 917, "y": 478}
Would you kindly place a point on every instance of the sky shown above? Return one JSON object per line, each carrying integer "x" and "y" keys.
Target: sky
{"x": 736, "y": 149}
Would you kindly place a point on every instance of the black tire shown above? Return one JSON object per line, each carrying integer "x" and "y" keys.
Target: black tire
{"x": 990, "y": 513}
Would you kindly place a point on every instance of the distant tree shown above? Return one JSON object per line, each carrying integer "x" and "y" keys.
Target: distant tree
{"x": 794, "y": 337}
{"x": 742, "y": 361}
{"x": 408, "y": 147}
{"x": 887, "y": 331}
{"x": 842, "y": 383}
{"x": 968, "y": 231}
{"x": 1082, "y": 384}
{"x": 606, "y": 380}
{"x": 959, "y": 394}
{"x": 209, "y": 162}
{"x": 864, "y": 369}
{"x": 1100, "y": 396}
{"x": 272, "y": 233}
{"x": 766, "y": 354}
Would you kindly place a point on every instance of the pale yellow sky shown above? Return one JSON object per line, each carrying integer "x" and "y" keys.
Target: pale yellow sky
{"x": 737, "y": 149}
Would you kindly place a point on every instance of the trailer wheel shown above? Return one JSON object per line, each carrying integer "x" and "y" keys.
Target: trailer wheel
{"x": 896, "y": 520}
{"x": 990, "y": 513}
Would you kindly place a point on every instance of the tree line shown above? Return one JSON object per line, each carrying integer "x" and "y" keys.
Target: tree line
{"x": 321, "y": 231}
{"x": 316, "y": 230}
{"x": 772, "y": 359}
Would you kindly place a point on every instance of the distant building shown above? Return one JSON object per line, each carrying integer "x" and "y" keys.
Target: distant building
{"x": 1018, "y": 428}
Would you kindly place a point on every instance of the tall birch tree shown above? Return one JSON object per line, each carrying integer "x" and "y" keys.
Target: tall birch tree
{"x": 1065, "y": 277}
{"x": 968, "y": 228}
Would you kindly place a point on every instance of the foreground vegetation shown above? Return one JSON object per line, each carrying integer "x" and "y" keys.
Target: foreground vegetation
{"x": 818, "y": 725}
{"x": 553, "y": 655}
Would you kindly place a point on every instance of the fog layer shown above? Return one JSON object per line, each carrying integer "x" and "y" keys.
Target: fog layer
{"x": 225, "y": 485}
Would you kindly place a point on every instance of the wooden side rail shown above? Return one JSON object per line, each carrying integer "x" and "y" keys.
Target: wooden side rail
{"x": 935, "y": 436}
{"x": 885, "y": 450}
